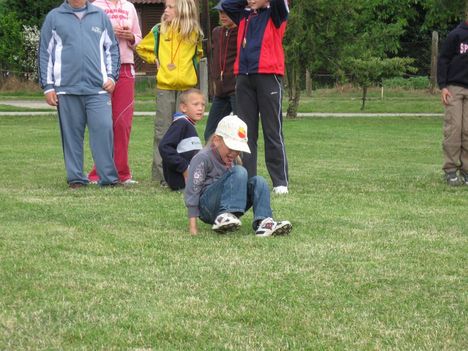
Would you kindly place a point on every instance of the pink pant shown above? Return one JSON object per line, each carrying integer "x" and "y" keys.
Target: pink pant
{"x": 122, "y": 116}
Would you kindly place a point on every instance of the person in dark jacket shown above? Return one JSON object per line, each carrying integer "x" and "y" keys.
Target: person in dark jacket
{"x": 452, "y": 78}
{"x": 181, "y": 141}
{"x": 224, "y": 51}
{"x": 259, "y": 68}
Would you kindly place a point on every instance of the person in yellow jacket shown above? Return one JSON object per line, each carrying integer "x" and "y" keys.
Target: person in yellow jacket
{"x": 174, "y": 46}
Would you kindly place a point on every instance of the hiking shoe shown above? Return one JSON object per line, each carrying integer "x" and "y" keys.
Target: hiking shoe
{"x": 280, "y": 190}
{"x": 129, "y": 181}
{"x": 452, "y": 179}
{"x": 269, "y": 227}
{"x": 226, "y": 222}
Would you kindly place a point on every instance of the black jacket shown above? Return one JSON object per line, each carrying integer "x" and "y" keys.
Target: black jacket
{"x": 177, "y": 147}
{"x": 452, "y": 66}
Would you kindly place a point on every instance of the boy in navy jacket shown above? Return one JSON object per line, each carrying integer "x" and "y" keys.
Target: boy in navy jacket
{"x": 181, "y": 141}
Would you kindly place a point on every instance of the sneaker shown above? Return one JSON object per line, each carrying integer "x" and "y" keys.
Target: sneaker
{"x": 269, "y": 227}
{"x": 111, "y": 185}
{"x": 129, "y": 181}
{"x": 76, "y": 185}
{"x": 280, "y": 190}
{"x": 93, "y": 182}
{"x": 464, "y": 177}
{"x": 452, "y": 179}
{"x": 226, "y": 222}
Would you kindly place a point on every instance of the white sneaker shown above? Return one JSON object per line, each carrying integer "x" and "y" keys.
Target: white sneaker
{"x": 226, "y": 222}
{"x": 280, "y": 190}
{"x": 129, "y": 182}
{"x": 269, "y": 227}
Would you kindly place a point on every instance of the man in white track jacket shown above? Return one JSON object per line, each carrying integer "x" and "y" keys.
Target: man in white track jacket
{"x": 78, "y": 67}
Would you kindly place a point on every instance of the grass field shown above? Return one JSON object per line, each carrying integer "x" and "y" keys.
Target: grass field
{"x": 377, "y": 258}
{"x": 322, "y": 100}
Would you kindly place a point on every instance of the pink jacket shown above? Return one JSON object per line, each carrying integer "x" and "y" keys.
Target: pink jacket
{"x": 122, "y": 13}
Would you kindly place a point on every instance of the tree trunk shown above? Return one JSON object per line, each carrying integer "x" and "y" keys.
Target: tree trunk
{"x": 308, "y": 83}
{"x": 294, "y": 93}
{"x": 364, "y": 96}
{"x": 434, "y": 54}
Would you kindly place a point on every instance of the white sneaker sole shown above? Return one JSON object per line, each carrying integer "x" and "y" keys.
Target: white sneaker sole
{"x": 281, "y": 229}
{"x": 225, "y": 228}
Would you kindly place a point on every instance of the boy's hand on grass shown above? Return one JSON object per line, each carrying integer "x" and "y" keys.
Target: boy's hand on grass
{"x": 193, "y": 225}
{"x": 446, "y": 96}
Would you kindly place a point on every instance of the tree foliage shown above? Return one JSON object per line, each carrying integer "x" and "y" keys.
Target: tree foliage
{"x": 29, "y": 12}
{"x": 10, "y": 41}
{"x": 20, "y": 21}
{"x": 340, "y": 37}
{"x": 366, "y": 72}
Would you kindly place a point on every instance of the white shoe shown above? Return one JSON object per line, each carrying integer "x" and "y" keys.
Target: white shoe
{"x": 280, "y": 190}
{"x": 226, "y": 222}
{"x": 129, "y": 182}
{"x": 269, "y": 227}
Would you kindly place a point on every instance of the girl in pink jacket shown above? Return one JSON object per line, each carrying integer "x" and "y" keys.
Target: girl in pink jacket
{"x": 124, "y": 19}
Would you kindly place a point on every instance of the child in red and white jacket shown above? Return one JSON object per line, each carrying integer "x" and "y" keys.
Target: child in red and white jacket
{"x": 260, "y": 69}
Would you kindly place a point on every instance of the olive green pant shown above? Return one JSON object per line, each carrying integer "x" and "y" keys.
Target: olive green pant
{"x": 167, "y": 103}
{"x": 455, "y": 144}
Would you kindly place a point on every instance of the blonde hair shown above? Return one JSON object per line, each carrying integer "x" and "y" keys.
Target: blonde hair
{"x": 184, "y": 96}
{"x": 186, "y": 22}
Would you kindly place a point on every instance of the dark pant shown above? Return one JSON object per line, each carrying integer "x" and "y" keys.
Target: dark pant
{"x": 221, "y": 107}
{"x": 262, "y": 94}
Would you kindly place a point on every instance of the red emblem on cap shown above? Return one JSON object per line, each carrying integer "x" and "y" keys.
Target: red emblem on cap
{"x": 241, "y": 133}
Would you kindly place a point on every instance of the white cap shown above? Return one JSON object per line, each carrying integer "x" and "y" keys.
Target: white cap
{"x": 233, "y": 130}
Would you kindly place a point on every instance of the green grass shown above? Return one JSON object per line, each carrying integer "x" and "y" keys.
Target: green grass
{"x": 333, "y": 100}
{"x": 322, "y": 100}
{"x": 376, "y": 259}
{"x": 10, "y": 108}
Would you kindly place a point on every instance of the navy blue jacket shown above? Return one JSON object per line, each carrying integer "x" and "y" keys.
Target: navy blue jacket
{"x": 260, "y": 36}
{"x": 177, "y": 147}
{"x": 452, "y": 67}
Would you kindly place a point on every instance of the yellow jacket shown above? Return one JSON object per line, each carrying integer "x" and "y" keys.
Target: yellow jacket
{"x": 185, "y": 54}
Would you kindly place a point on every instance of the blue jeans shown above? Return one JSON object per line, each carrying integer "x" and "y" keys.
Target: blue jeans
{"x": 235, "y": 193}
{"x": 221, "y": 107}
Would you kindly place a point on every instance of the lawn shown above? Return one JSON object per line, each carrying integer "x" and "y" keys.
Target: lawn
{"x": 376, "y": 260}
{"x": 321, "y": 100}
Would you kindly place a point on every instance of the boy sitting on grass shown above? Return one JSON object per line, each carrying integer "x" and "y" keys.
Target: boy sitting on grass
{"x": 181, "y": 141}
{"x": 219, "y": 190}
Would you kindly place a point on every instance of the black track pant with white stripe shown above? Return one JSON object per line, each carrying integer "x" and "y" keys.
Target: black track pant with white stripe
{"x": 261, "y": 94}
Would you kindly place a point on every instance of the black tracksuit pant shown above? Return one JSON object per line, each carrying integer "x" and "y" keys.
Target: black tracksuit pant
{"x": 262, "y": 94}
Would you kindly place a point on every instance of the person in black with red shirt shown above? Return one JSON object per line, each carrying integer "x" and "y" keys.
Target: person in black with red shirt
{"x": 259, "y": 68}
{"x": 224, "y": 51}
